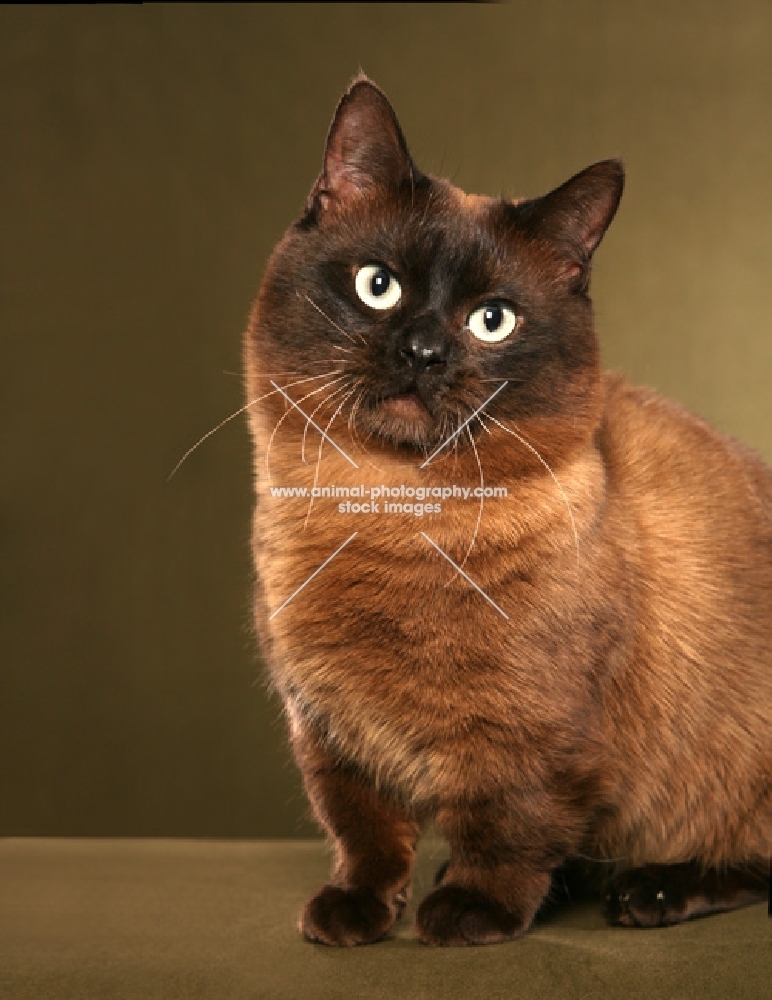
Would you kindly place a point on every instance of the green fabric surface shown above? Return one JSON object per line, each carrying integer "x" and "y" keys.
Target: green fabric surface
{"x": 184, "y": 919}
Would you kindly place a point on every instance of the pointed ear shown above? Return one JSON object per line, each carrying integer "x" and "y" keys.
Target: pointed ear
{"x": 365, "y": 149}
{"x": 576, "y": 215}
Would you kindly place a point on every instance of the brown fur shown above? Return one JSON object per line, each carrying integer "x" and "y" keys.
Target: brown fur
{"x": 623, "y": 710}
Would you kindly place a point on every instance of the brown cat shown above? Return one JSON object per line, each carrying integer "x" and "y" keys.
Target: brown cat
{"x": 579, "y": 669}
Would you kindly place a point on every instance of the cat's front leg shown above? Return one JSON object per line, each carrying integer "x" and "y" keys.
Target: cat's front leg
{"x": 494, "y": 883}
{"x": 374, "y": 841}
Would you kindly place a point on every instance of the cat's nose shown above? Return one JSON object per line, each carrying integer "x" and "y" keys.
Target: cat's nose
{"x": 422, "y": 350}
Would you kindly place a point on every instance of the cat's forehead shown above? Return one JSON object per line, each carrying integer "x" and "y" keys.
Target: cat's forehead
{"x": 436, "y": 227}
{"x": 478, "y": 205}
{"x": 476, "y": 217}
{"x": 447, "y": 225}
{"x": 431, "y": 226}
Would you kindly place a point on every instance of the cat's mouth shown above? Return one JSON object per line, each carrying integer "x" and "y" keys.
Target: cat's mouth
{"x": 408, "y": 405}
{"x": 402, "y": 418}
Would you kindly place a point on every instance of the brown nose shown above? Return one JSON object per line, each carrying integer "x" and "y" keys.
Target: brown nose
{"x": 423, "y": 349}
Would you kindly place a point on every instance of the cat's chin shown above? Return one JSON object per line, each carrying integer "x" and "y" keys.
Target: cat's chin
{"x": 408, "y": 407}
{"x": 403, "y": 421}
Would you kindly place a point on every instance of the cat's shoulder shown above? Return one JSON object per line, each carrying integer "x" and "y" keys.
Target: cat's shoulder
{"x": 625, "y": 399}
{"x": 647, "y": 412}
{"x": 643, "y": 428}
{"x": 644, "y": 414}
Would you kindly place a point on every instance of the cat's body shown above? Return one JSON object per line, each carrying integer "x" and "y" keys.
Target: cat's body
{"x": 607, "y": 691}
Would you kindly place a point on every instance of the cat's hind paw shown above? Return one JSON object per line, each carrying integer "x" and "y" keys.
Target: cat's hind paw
{"x": 639, "y": 898}
{"x": 660, "y": 895}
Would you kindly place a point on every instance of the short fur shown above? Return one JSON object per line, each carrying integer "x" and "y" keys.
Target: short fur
{"x": 623, "y": 709}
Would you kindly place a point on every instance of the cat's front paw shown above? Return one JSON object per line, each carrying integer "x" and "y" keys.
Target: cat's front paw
{"x": 343, "y": 917}
{"x": 452, "y": 915}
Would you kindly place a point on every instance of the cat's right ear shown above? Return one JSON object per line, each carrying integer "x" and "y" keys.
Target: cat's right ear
{"x": 576, "y": 215}
{"x": 365, "y": 151}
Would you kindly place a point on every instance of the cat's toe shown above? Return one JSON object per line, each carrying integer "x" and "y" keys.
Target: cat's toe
{"x": 642, "y": 898}
{"x": 452, "y": 915}
{"x": 341, "y": 917}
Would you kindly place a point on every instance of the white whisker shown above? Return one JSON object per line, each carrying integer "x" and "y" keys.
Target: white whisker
{"x": 326, "y": 361}
{"x": 352, "y": 420}
{"x": 531, "y": 448}
{"x": 284, "y": 416}
{"x": 319, "y": 454}
{"x": 241, "y": 409}
{"x": 455, "y": 443}
{"x": 309, "y": 419}
{"x": 458, "y": 430}
{"x": 482, "y": 495}
{"x": 350, "y": 423}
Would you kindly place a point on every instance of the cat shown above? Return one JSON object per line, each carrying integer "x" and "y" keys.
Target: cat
{"x": 579, "y": 669}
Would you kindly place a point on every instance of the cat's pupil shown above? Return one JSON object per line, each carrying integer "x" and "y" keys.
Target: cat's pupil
{"x": 492, "y": 318}
{"x": 380, "y": 282}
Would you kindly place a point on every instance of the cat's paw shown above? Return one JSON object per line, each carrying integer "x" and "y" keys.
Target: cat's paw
{"x": 452, "y": 915}
{"x": 343, "y": 917}
{"x": 644, "y": 897}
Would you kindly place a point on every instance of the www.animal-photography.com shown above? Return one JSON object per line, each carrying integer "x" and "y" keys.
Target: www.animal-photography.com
{"x": 387, "y": 500}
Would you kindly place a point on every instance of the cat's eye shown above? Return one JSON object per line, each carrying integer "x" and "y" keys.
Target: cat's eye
{"x": 492, "y": 322}
{"x": 377, "y": 287}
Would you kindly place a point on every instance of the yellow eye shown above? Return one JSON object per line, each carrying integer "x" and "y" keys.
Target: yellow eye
{"x": 377, "y": 287}
{"x": 492, "y": 322}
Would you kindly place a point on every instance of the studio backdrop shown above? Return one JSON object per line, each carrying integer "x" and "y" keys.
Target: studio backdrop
{"x": 152, "y": 156}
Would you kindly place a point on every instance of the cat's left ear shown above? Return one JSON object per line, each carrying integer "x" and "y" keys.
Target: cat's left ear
{"x": 365, "y": 150}
{"x": 576, "y": 215}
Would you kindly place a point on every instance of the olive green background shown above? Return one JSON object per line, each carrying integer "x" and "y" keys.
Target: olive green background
{"x": 151, "y": 156}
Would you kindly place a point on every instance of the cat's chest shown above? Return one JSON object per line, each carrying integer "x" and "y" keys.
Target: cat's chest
{"x": 387, "y": 747}
{"x": 412, "y": 642}
{"x": 410, "y": 694}
{"x": 416, "y": 745}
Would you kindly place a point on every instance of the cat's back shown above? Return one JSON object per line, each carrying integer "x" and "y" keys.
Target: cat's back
{"x": 690, "y": 510}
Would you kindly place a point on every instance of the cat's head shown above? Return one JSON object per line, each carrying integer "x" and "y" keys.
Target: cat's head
{"x": 403, "y": 304}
